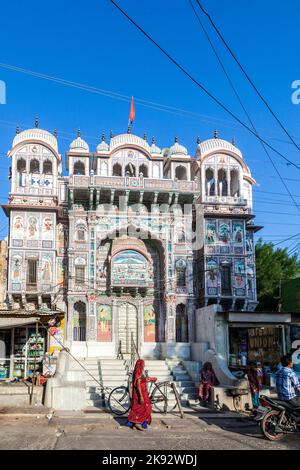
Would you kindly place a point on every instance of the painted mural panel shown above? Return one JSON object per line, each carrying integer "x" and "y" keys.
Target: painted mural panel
{"x": 33, "y": 228}
{"x": 104, "y": 323}
{"x": 224, "y": 232}
{"x": 212, "y": 276}
{"x": 47, "y": 228}
{"x": 16, "y": 269}
{"x": 61, "y": 271}
{"x": 249, "y": 242}
{"x": 18, "y": 227}
{"x": 150, "y": 316}
{"x": 239, "y": 274}
{"x": 46, "y": 269}
{"x": 211, "y": 232}
{"x": 129, "y": 268}
{"x": 238, "y": 232}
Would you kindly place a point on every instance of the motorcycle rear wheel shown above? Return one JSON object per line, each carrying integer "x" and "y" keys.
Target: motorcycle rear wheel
{"x": 268, "y": 426}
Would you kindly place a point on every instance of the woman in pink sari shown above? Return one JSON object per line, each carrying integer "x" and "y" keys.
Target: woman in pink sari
{"x": 140, "y": 413}
{"x": 208, "y": 380}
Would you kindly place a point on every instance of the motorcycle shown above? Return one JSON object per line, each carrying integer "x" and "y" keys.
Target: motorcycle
{"x": 277, "y": 418}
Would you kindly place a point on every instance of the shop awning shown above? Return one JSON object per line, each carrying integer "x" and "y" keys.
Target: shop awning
{"x": 240, "y": 317}
{"x": 15, "y": 322}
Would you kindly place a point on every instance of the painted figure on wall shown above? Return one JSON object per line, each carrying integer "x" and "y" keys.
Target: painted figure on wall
{"x": 249, "y": 242}
{"x": 149, "y": 324}
{"x": 32, "y": 228}
{"x": 129, "y": 268}
{"x": 238, "y": 232}
{"x": 46, "y": 269}
{"x": 211, "y": 232}
{"x": 224, "y": 232}
{"x": 47, "y": 228}
{"x": 18, "y": 227}
{"x": 104, "y": 323}
{"x": 16, "y": 270}
{"x": 212, "y": 274}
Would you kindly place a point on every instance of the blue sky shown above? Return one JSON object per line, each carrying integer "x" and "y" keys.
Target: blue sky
{"x": 92, "y": 43}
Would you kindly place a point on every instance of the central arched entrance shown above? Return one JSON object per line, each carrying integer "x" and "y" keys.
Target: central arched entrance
{"x": 128, "y": 326}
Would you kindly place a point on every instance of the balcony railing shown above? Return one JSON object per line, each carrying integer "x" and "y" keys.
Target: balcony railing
{"x": 126, "y": 182}
{"x": 224, "y": 200}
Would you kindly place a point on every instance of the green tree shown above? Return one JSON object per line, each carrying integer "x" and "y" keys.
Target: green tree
{"x": 272, "y": 267}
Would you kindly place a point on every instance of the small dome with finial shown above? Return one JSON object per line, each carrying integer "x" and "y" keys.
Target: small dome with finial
{"x": 216, "y": 135}
{"x": 79, "y": 145}
{"x": 154, "y": 148}
{"x": 103, "y": 146}
{"x": 177, "y": 149}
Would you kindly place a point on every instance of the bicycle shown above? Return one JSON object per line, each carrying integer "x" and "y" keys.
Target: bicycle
{"x": 163, "y": 396}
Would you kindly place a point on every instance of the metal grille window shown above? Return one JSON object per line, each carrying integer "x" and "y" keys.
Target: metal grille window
{"x": 31, "y": 272}
{"x": 79, "y": 274}
{"x": 79, "y": 322}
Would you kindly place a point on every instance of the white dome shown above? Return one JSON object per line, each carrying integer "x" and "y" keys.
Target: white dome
{"x": 79, "y": 145}
{"x": 177, "y": 149}
{"x": 36, "y": 134}
{"x": 103, "y": 146}
{"x": 215, "y": 145}
{"x": 154, "y": 148}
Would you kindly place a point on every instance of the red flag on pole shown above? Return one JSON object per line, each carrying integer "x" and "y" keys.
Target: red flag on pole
{"x": 132, "y": 111}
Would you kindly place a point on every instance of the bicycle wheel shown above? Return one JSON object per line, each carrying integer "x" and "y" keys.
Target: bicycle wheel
{"x": 164, "y": 398}
{"x": 119, "y": 401}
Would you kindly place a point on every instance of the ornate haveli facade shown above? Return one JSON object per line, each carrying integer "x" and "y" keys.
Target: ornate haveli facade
{"x": 132, "y": 241}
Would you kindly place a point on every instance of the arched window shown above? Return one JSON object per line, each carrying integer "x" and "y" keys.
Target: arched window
{"x": 234, "y": 183}
{"x": 143, "y": 171}
{"x": 79, "y": 321}
{"x": 180, "y": 173}
{"x": 180, "y": 273}
{"x": 222, "y": 183}
{"x": 21, "y": 169}
{"x": 34, "y": 166}
{"x": 181, "y": 324}
{"x": 210, "y": 182}
{"x": 79, "y": 168}
{"x": 47, "y": 167}
{"x": 103, "y": 169}
{"x": 117, "y": 169}
{"x": 130, "y": 170}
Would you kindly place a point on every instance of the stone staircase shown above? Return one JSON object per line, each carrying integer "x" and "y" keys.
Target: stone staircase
{"x": 113, "y": 373}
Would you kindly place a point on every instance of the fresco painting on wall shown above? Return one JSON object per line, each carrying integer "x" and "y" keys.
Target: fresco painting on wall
{"x": 32, "y": 228}
{"x": 150, "y": 324}
{"x": 239, "y": 274}
{"x": 47, "y": 229}
{"x": 18, "y": 227}
{"x": 104, "y": 323}
{"x": 224, "y": 231}
{"x": 16, "y": 269}
{"x": 47, "y": 268}
{"x": 238, "y": 229}
{"x": 212, "y": 274}
{"x": 129, "y": 268}
{"x": 211, "y": 232}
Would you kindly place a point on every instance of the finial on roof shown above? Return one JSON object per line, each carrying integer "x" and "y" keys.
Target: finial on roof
{"x": 103, "y": 137}
{"x": 145, "y": 136}
{"x": 78, "y": 132}
{"x": 176, "y": 140}
{"x": 129, "y": 129}
{"x": 111, "y": 134}
{"x": 153, "y": 140}
{"x": 233, "y": 141}
{"x": 36, "y": 121}
{"x": 216, "y": 135}
{"x": 17, "y": 130}
{"x": 55, "y": 133}
{"x": 198, "y": 140}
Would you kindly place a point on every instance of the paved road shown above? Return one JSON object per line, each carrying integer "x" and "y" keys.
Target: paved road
{"x": 106, "y": 433}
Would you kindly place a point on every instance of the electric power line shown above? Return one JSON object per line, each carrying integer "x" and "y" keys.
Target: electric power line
{"x": 247, "y": 75}
{"x": 197, "y": 83}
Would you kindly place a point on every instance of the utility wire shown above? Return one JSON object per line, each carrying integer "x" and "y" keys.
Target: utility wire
{"x": 196, "y": 82}
{"x": 246, "y": 74}
{"x": 241, "y": 104}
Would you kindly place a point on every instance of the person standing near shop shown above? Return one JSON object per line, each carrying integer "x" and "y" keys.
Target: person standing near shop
{"x": 253, "y": 384}
{"x": 208, "y": 380}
